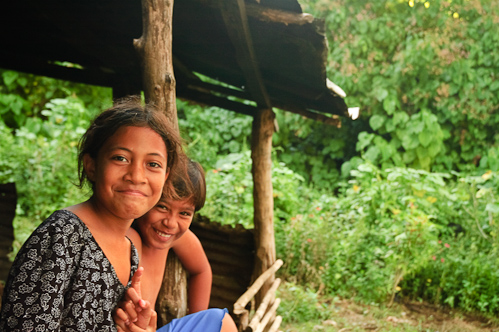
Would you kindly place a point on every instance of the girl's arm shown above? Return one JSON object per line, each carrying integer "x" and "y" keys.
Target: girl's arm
{"x": 191, "y": 254}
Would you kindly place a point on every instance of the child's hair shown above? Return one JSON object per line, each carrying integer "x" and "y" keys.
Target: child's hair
{"x": 192, "y": 187}
{"x": 130, "y": 112}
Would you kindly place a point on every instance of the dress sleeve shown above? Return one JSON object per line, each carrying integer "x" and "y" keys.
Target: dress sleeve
{"x": 39, "y": 278}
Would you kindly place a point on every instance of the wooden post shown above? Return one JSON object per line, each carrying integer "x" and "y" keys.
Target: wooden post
{"x": 172, "y": 297}
{"x": 261, "y": 147}
{"x": 8, "y": 202}
{"x": 155, "y": 51}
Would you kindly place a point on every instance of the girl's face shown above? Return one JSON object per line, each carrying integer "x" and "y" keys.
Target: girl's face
{"x": 129, "y": 172}
{"x": 165, "y": 223}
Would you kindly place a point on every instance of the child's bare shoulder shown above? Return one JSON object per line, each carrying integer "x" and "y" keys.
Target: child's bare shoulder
{"x": 134, "y": 236}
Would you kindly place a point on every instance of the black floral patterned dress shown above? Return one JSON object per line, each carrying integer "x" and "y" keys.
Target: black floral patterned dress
{"x": 62, "y": 281}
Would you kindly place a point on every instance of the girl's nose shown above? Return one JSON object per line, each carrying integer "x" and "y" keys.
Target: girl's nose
{"x": 169, "y": 222}
{"x": 135, "y": 173}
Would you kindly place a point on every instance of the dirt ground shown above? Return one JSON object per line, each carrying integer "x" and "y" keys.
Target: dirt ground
{"x": 407, "y": 317}
{"x": 348, "y": 316}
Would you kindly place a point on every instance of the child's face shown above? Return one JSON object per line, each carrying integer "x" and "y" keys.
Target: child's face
{"x": 129, "y": 172}
{"x": 166, "y": 222}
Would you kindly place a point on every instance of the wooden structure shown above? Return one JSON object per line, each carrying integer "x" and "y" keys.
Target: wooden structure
{"x": 243, "y": 55}
{"x": 8, "y": 201}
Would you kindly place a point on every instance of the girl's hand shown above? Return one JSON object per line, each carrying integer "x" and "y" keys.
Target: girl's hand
{"x": 135, "y": 314}
{"x": 146, "y": 320}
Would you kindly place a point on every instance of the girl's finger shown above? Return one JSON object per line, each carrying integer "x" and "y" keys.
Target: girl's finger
{"x": 131, "y": 311}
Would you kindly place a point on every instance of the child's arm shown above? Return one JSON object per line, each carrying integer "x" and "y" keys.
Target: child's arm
{"x": 192, "y": 256}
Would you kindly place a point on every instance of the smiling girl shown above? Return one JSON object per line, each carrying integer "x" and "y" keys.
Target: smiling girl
{"x": 166, "y": 227}
{"x": 75, "y": 267}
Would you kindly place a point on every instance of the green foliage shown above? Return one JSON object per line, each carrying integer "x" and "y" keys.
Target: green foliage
{"x": 387, "y": 232}
{"x": 312, "y": 149}
{"x": 230, "y": 191}
{"x": 300, "y": 304}
{"x": 23, "y": 96}
{"x": 211, "y": 132}
{"x": 38, "y": 147}
{"x": 424, "y": 74}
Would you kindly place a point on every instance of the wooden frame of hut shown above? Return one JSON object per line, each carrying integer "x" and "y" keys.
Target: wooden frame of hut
{"x": 242, "y": 55}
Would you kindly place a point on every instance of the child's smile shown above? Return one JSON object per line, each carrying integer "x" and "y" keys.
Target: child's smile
{"x": 166, "y": 222}
{"x": 129, "y": 172}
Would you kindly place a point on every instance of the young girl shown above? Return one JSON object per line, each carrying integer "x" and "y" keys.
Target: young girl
{"x": 166, "y": 227}
{"x": 75, "y": 267}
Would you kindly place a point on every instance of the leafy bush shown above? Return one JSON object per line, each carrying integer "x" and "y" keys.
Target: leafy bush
{"x": 300, "y": 304}
{"x": 230, "y": 191}
{"x": 387, "y": 233}
{"x": 40, "y": 157}
{"x": 424, "y": 74}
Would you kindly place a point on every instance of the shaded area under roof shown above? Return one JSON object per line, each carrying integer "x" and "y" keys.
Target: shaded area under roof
{"x": 289, "y": 47}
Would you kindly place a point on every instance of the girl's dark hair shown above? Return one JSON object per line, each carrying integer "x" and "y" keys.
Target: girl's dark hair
{"x": 193, "y": 186}
{"x": 130, "y": 112}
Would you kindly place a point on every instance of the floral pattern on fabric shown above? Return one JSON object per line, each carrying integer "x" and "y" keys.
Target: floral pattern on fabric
{"x": 61, "y": 280}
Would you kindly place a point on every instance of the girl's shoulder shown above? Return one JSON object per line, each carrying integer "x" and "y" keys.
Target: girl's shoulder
{"x": 63, "y": 223}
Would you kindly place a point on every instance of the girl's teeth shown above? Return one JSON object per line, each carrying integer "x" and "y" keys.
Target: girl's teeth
{"x": 163, "y": 234}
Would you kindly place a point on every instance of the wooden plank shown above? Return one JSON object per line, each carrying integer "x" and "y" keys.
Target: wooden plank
{"x": 268, "y": 316}
{"x": 262, "y": 309}
{"x": 241, "y": 303}
{"x": 236, "y": 21}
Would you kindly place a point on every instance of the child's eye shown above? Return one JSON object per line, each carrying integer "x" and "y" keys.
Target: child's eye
{"x": 162, "y": 207}
{"x": 119, "y": 158}
{"x": 186, "y": 214}
{"x": 155, "y": 165}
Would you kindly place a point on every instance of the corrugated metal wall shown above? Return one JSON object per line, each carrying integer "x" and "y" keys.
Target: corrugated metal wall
{"x": 230, "y": 251}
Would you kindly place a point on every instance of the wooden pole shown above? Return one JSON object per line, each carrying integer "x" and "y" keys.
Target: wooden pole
{"x": 261, "y": 147}
{"x": 155, "y": 51}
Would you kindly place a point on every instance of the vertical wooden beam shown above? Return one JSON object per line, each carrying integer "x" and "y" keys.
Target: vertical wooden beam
{"x": 261, "y": 148}
{"x": 172, "y": 297}
{"x": 155, "y": 51}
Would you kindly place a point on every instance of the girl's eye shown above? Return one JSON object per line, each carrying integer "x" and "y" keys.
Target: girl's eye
{"x": 186, "y": 214}
{"x": 119, "y": 158}
{"x": 155, "y": 165}
{"x": 162, "y": 207}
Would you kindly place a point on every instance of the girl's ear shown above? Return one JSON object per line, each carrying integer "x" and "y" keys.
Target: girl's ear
{"x": 167, "y": 173}
{"x": 89, "y": 167}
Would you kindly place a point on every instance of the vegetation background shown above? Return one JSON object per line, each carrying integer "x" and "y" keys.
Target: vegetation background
{"x": 401, "y": 204}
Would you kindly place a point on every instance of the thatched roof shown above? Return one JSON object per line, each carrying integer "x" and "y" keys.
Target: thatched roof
{"x": 268, "y": 53}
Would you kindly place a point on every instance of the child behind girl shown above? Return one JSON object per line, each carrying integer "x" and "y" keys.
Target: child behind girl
{"x": 166, "y": 227}
{"x": 76, "y": 266}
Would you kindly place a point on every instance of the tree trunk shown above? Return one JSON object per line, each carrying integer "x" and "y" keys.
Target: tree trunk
{"x": 172, "y": 297}
{"x": 261, "y": 146}
{"x": 155, "y": 51}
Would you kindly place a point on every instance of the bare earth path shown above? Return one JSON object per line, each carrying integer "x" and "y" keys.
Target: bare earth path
{"x": 351, "y": 317}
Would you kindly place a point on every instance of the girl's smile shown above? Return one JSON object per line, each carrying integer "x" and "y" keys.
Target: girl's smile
{"x": 129, "y": 172}
{"x": 166, "y": 222}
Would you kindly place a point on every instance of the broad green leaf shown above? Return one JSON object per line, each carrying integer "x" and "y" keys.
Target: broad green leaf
{"x": 400, "y": 118}
{"x": 425, "y": 138}
{"x": 390, "y": 104}
{"x": 376, "y": 121}
{"x": 492, "y": 207}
